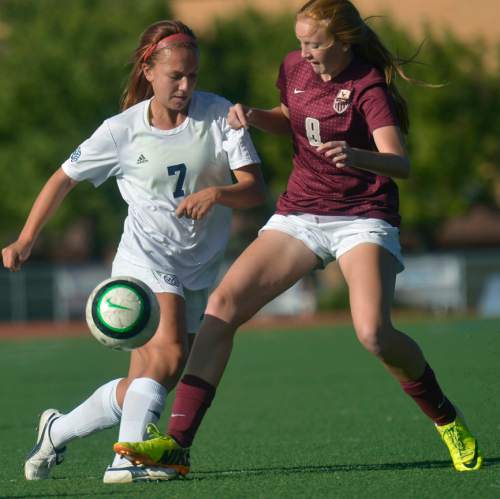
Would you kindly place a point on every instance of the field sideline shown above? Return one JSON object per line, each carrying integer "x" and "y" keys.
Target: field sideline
{"x": 47, "y": 329}
{"x": 306, "y": 413}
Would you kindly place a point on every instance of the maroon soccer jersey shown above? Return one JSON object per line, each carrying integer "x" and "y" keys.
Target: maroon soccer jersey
{"x": 349, "y": 107}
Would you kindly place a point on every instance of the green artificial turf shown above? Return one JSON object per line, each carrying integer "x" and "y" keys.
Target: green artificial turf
{"x": 301, "y": 413}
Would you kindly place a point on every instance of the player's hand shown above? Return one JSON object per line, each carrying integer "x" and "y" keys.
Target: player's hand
{"x": 15, "y": 254}
{"x": 238, "y": 116}
{"x": 339, "y": 152}
{"x": 197, "y": 205}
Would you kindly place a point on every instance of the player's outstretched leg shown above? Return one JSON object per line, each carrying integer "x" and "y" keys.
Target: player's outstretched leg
{"x": 228, "y": 307}
{"x": 55, "y": 430}
{"x": 44, "y": 454}
{"x": 159, "y": 451}
{"x": 370, "y": 272}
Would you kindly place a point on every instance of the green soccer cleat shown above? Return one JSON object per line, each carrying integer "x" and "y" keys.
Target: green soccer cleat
{"x": 159, "y": 450}
{"x": 463, "y": 447}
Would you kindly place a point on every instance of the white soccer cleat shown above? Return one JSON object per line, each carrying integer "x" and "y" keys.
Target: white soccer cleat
{"x": 129, "y": 473}
{"x": 44, "y": 455}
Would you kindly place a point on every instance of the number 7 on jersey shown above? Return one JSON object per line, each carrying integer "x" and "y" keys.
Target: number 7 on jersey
{"x": 181, "y": 170}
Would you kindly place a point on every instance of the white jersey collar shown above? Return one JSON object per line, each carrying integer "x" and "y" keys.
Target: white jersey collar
{"x": 172, "y": 131}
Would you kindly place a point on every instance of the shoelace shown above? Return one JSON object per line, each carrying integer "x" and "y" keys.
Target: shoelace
{"x": 455, "y": 437}
{"x": 153, "y": 431}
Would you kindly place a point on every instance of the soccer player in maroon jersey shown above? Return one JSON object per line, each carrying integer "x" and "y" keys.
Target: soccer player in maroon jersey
{"x": 346, "y": 119}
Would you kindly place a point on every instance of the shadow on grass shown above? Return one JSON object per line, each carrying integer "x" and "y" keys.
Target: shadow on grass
{"x": 120, "y": 493}
{"x": 278, "y": 470}
{"x": 335, "y": 468}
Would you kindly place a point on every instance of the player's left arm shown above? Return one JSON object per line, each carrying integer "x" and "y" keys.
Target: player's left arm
{"x": 248, "y": 191}
{"x": 390, "y": 159}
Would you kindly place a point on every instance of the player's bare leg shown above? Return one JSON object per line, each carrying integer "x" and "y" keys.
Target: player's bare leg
{"x": 270, "y": 265}
{"x": 163, "y": 357}
{"x": 154, "y": 369}
{"x": 370, "y": 272}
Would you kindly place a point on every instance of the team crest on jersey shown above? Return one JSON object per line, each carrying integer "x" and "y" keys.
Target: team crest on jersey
{"x": 342, "y": 101}
{"x": 75, "y": 156}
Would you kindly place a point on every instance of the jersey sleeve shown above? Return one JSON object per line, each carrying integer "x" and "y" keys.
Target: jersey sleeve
{"x": 239, "y": 148}
{"x": 95, "y": 160}
{"x": 377, "y": 107}
{"x": 237, "y": 144}
{"x": 281, "y": 84}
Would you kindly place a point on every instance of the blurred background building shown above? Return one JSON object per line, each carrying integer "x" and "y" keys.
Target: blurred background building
{"x": 77, "y": 53}
{"x": 469, "y": 20}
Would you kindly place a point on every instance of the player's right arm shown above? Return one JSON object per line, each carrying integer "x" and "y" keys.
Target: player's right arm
{"x": 275, "y": 120}
{"x": 46, "y": 203}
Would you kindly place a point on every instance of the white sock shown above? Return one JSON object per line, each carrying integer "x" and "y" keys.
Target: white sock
{"x": 99, "y": 411}
{"x": 143, "y": 404}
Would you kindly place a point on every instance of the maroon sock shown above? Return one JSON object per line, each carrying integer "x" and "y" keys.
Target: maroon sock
{"x": 427, "y": 393}
{"x": 192, "y": 399}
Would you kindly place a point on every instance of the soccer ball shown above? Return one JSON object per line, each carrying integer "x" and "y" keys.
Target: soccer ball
{"x": 122, "y": 313}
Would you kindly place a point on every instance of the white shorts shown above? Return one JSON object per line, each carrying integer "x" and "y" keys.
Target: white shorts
{"x": 160, "y": 282}
{"x": 329, "y": 237}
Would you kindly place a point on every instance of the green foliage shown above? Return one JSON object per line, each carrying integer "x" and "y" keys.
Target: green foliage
{"x": 64, "y": 65}
{"x": 453, "y": 135}
{"x": 333, "y": 298}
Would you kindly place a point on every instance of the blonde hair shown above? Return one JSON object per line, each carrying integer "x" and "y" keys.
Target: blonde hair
{"x": 138, "y": 88}
{"x": 345, "y": 24}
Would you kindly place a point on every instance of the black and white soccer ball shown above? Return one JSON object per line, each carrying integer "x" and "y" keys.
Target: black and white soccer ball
{"x": 122, "y": 313}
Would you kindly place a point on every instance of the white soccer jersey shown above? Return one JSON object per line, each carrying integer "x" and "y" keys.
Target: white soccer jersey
{"x": 155, "y": 169}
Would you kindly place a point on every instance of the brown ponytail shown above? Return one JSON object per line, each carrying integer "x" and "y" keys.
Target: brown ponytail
{"x": 374, "y": 51}
{"x": 345, "y": 24}
{"x": 138, "y": 88}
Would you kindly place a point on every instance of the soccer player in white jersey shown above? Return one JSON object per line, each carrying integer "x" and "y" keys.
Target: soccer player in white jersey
{"x": 172, "y": 154}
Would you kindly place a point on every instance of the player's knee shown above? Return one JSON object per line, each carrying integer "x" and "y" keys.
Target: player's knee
{"x": 373, "y": 336}
{"x": 166, "y": 362}
{"x": 221, "y": 305}
{"x": 174, "y": 356}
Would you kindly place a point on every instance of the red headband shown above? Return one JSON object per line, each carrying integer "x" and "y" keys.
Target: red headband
{"x": 165, "y": 42}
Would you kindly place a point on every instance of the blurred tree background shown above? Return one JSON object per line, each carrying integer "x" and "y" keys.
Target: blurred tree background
{"x": 64, "y": 65}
